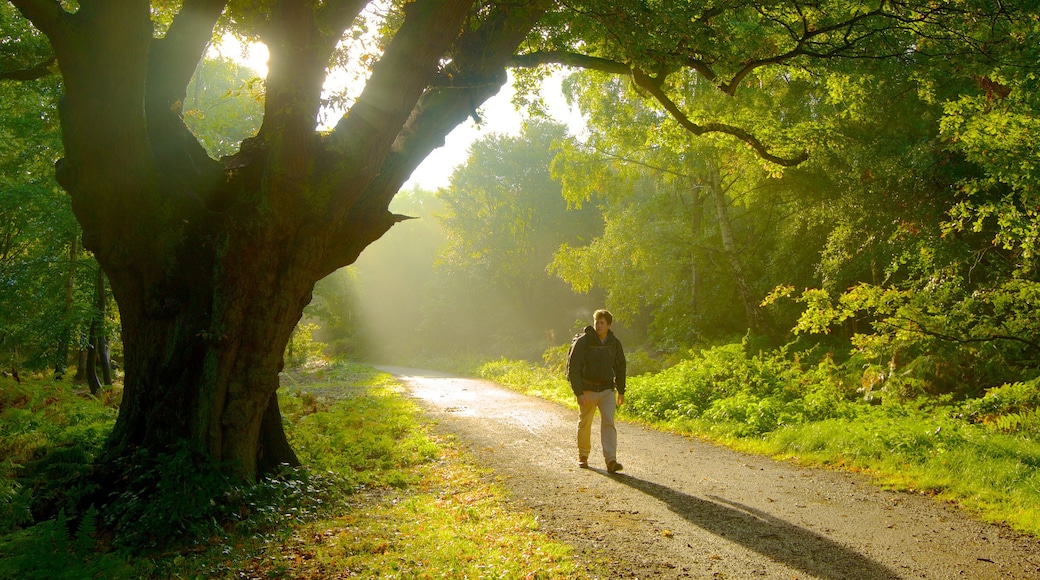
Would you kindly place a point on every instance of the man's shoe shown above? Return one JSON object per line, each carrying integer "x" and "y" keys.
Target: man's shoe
{"x": 614, "y": 467}
{"x": 583, "y": 462}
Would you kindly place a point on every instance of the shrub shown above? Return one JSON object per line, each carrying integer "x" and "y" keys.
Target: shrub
{"x": 302, "y": 347}
{"x": 169, "y": 496}
{"x": 1011, "y": 407}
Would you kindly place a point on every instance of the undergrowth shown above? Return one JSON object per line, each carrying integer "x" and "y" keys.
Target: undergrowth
{"x": 379, "y": 496}
{"x": 982, "y": 453}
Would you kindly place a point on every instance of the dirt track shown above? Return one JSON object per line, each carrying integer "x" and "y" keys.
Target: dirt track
{"x": 685, "y": 509}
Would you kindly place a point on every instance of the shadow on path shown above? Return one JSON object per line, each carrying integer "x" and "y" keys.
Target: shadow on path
{"x": 772, "y": 537}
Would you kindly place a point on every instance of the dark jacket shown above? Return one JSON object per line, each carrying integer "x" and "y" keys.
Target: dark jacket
{"x": 595, "y": 365}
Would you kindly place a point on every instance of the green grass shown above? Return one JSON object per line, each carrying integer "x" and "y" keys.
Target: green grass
{"x": 381, "y": 497}
{"x": 982, "y": 454}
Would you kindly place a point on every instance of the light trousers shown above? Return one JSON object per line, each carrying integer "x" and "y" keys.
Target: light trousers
{"x": 606, "y": 402}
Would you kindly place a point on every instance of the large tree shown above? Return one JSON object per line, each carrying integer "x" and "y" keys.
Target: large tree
{"x": 212, "y": 261}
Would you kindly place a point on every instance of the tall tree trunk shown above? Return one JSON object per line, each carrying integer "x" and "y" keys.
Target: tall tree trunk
{"x": 90, "y": 372}
{"x": 97, "y": 341}
{"x": 81, "y": 366}
{"x": 753, "y": 312}
{"x": 100, "y": 341}
{"x": 61, "y": 357}
{"x": 696, "y": 212}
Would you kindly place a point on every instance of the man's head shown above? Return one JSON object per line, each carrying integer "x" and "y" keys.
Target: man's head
{"x": 602, "y": 321}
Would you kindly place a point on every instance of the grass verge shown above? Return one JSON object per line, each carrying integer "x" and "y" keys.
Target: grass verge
{"x": 382, "y": 497}
{"x": 981, "y": 454}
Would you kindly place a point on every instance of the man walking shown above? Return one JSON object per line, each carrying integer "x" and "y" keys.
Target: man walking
{"x": 596, "y": 366}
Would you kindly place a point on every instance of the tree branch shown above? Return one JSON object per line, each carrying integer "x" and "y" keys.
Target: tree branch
{"x": 653, "y": 86}
{"x": 336, "y": 15}
{"x": 475, "y": 73}
{"x": 802, "y": 40}
{"x": 32, "y": 73}
{"x": 173, "y": 58}
{"x": 535, "y": 59}
{"x": 46, "y": 15}
{"x": 920, "y": 329}
{"x": 171, "y": 63}
{"x": 408, "y": 66}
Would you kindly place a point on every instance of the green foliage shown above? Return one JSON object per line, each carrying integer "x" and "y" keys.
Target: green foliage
{"x": 302, "y": 348}
{"x": 1008, "y": 406}
{"x": 60, "y": 549}
{"x": 225, "y": 105}
{"x": 46, "y": 294}
{"x": 14, "y": 502}
{"x": 39, "y": 414}
{"x": 688, "y": 221}
{"x": 528, "y": 378}
{"x": 335, "y": 311}
{"x": 171, "y": 497}
{"x": 49, "y": 437}
{"x": 936, "y": 335}
{"x": 733, "y": 393}
{"x": 367, "y": 439}
{"x": 995, "y": 128}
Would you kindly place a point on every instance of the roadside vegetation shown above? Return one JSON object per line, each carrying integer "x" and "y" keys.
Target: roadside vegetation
{"x": 981, "y": 453}
{"x": 381, "y": 496}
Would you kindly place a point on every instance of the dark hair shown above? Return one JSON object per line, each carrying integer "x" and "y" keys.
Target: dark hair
{"x": 605, "y": 315}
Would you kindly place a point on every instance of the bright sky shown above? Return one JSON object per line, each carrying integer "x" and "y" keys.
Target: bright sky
{"x": 498, "y": 114}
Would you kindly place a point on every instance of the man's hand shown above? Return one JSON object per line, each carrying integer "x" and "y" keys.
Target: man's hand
{"x": 620, "y": 399}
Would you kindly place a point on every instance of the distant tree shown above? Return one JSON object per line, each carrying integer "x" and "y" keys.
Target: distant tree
{"x": 705, "y": 212}
{"x": 503, "y": 217}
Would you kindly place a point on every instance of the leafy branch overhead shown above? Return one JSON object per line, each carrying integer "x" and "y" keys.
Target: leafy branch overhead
{"x": 660, "y": 45}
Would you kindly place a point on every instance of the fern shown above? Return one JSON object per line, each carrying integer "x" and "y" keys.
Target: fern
{"x": 52, "y": 551}
{"x": 83, "y": 541}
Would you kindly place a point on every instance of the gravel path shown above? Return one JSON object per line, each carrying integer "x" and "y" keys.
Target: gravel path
{"x": 686, "y": 509}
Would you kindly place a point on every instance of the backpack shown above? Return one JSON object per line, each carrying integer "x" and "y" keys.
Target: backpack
{"x": 570, "y": 351}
